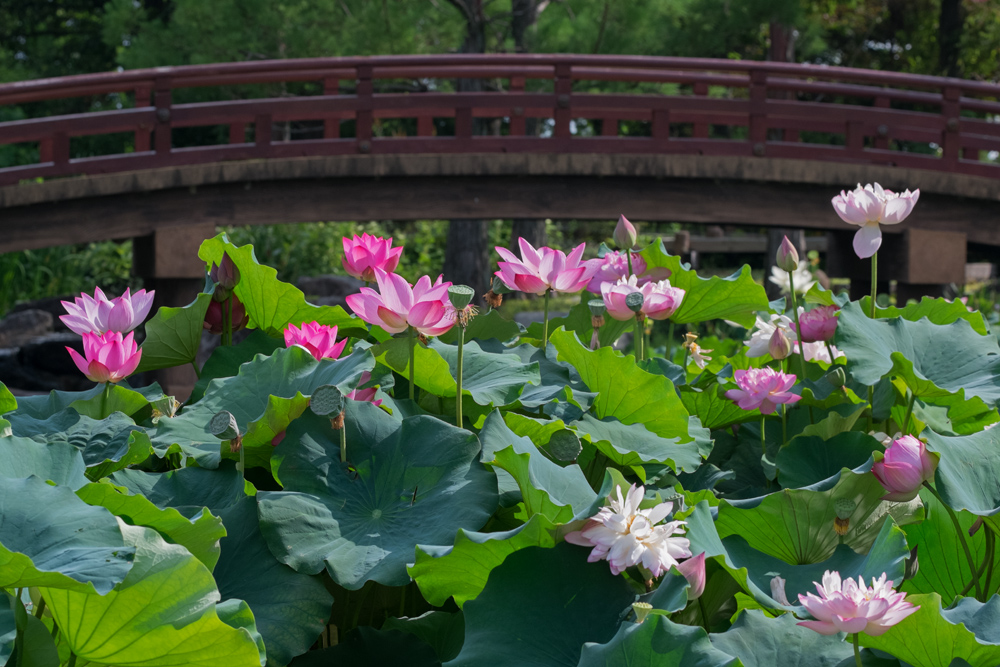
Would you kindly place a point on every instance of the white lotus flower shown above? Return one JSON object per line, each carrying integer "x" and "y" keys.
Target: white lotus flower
{"x": 802, "y": 275}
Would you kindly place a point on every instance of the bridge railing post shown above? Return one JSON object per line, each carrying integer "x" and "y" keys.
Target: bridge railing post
{"x": 162, "y": 134}
{"x": 518, "y": 125}
{"x": 758, "y": 111}
{"x": 262, "y": 133}
{"x": 563, "y": 89}
{"x": 363, "y": 116}
{"x": 331, "y": 123}
{"x": 882, "y": 135}
{"x": 700, "y": 130}
{"x": 951, "y": 136}
{"x": 55, "y": 149}
{"x": 143, "y": 98}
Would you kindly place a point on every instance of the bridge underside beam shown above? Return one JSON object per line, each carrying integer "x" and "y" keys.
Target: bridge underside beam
{"x": 794, "y": 205}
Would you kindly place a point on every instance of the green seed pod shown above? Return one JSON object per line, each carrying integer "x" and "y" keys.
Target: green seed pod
{"x": 460, "y": 296}
{"x": 565, "y": 445}
{"x": 597, "y": 307}
{"x": 223, "y": 426}
{"x": 634, "y": 301}
{"x": 327, "y": 401}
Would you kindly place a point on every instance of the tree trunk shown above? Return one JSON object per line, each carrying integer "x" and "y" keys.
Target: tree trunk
{"x": 466, "y": 257}
{"x": 949, "y": 37}
{"x": 531, "y": 230}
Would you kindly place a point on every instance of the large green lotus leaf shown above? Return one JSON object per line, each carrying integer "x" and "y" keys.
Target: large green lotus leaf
{"x": 107, "y": 444}
{"x": 8, "y": 403}
{"x": 634, "y": 445}
{"x": 119, "y": 399}
{"x": 271, "y": 304}
{"x": 950, "y": 415}
{"x": 227, "y": 359}
{"x": 45, "y": 405}
{"x": 579, "y": 320}
{"x": 625, "y": 391}
{"x": 539, "y": 607}
{"x": 559, "y": 381}
{"x": 938, "y": 311}
{"x": 237, "y": 614}
{"x": 797, "y": 525}
{"x": 199, "y": 534}
{"x": 444, "y": 632}
{"x": 265, "y": 397}
{"x": 807, "y": 460}
{"x": 173, "y": 335}
{"x": 57, "y": 462}
{"x": 714, "y": 409}
{"x": 921, "y": 353}
{"x": 930, "y": 637}
{"x": 944, "y": 568}
{"x": 736, "y": 298}
{"x": 35, "y": 646}
{"x": 186, "y": 488}
{"x": 968, "y": 474}
{"x": 49, "y": 537}
{"x": 657, "y": 642}
{"x": 8, "y": 629}
{"x": 415, "y": 481}
{"x": 163, "y": 614}
{"x": 560, "y": 493}
{"x": 461, "y": 571}
{"x": 291, "y": 609}
{"x": 759, "y": 641}
{"x": 486, "y": 326}
{"x": 754, "y": 569}
{"x": 368, "y": 647}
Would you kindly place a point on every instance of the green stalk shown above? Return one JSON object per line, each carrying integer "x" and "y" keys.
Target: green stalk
{"x": 628, "y": 257}
{"x": 670, "y": 341}
{"x": 343, "y": 444}
{"x": 763, "y": 444}
{"x": 990, "y": 556}
{"x": 909, "y": 411}
{"x": 874, "y": 281}
{"x": 857, "y": 650}
{"x": 798, "y": 329}
{"x": 41, "y": 608}
{"x": 72, "y": 660}
{"x": 637, "y": 343}
{"x": 961, "y": 539}
{"x": 545, "y": 325}
{"x": 704, "y": 616}
{"x": 413, "y": 356}
{"x": 105, "y": 397}
{"x": 458, "y": 395}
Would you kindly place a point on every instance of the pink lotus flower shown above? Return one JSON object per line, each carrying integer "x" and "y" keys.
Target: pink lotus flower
{"x": 660, "y": 300}
{"x": 869, "y": 207}
{"x": 818, "y": 324}
{"x": 778, "y": 591}
{"x": 99, "y": 315}
{"x": 625, "y": 535}
{"x": 366, "y": 253}
{"x": 398, "y": 305}
{"x": 762, "y": 388}
{"x": 625, "y": 235}
{"x": 693, "y": 570}
{"x": 851, "y": 606}
{"x": 538, "y": 271}
{"x": 365, "y": 395}
{"x": 107, "y": 357}
{"x": 906, "y": 465}
{"x": 614, "y": 266}
{"x": 320, "y": 340}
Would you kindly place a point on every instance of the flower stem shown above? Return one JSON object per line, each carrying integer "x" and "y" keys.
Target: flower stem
{"x": 413, "y": 355}
{"x": 961, "y": 539}
{"x": 874, "y": 281}
{"x": 857, "y": 650}
{"x": 628, "y": 258}
{"x": 704, "y": 616}
{"x": 670, "y": 341}
{"x": 545, "y": 325}
{"x": 343, "y": 444}
{"x": 637, "y": 343}
{"x": 105, "y": 397}
{"x": 990, "y": 557}
{"x": 909, "y": 411}
{"x": 763, "y": 444}
{"x": 829, "y": 349}
{"x": 798, "y": 329}
{"x": 458, "y": 394}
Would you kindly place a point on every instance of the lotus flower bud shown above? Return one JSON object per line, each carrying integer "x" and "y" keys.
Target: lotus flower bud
{"x": 787, "y": 258}
{"x": 836, "y": 377}
{"x": 634, "y": 301}
{"x": 906, "y": 465}
{"x": 778, "y": 591}
{"x": 226, "y": 274}
{"x": 625, "y": 234}
{"x": 779, "y": 346}
{"x": 213, "y": 316}
{"x": 693, "y": 570}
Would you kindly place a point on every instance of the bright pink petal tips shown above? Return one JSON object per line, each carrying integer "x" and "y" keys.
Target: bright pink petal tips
{"x": 905, "y": 466}
{"x": 398, "y": 305}
{"x": 540, "y": 270}
{"x": 108, "y": 357}
{"x": 99, "y": 315}
{"x": 320, "y": 340}
{"x": 762, "y": 388}
{"x": 364, "y": 254}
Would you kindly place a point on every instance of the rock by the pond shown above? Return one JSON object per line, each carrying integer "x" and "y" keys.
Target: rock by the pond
{"x": 17, "y": 329}
{"x": 52, "y": 305}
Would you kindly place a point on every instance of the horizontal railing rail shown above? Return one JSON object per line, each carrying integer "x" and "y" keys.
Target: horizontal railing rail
{"x": 685, "y": 106}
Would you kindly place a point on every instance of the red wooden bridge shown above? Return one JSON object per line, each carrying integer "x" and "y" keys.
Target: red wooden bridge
{"x": 567, "y": 136}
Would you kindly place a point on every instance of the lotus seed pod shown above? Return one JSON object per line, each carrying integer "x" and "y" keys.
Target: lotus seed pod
{"x": 844, "y": 507}
{"x": 597, "y": 307}
{"x": 625, "y": 234}
{"x": 327, "y": 401}
{"x": 787, "y": 257}
{"x": 634, "y": 301}
{"x": 460, "y": 296}
{"x": 223, "y": 426}
{"x": 498, "y": 286}
{"x": 565, "y": 445}
{"x": 642, "y": 610}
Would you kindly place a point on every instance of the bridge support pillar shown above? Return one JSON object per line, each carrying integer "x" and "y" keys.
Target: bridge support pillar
{"x": 167, "y": 261}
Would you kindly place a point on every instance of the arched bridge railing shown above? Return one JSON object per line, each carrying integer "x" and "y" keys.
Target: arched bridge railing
{"x": 511, "y": 103}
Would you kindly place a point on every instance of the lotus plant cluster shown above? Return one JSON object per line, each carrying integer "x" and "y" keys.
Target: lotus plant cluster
{"x": 420, "y": 478}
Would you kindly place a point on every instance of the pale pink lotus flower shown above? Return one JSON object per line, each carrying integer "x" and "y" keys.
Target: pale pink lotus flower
{"x": 319, "y": 340}
{"x": 693, "y": 570}
{"x": 851, "y": 607}
{"x": 365, "y": 395}
{"x": 614, "y": 266}
{"x": 760, "y": 335}
{"x": 625, "y": 235}
{"x": 762, "y": 388}
{"x": 625, "y": 535}
{"x": 538, "y": 271}
{"x": 97, "y": 314}
{"x": 366, "y": 253}
{"x": 107, "y": 357}
{"x": 660, "y": 300}
{"x": 778, "y": 591}
{"x": 818, "y": 324}
{"x": 870, "y": 206}
{"x": 699, "y": 355}
{"x": 819, "y": 352}
{"x": 398, "y": 305}
{"x": 905, "y": 467}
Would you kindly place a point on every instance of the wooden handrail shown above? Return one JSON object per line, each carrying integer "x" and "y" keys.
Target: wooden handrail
{"x": 763, "y": 106}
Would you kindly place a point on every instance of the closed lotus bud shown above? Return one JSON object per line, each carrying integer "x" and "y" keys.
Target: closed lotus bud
{"x": 625, "y": 234}
{"x": 213, "y": 316}
{"x": 787, "y": 257}
{"x": 226, "y": 274}
{"x": 779, "y": 346}
{"x": 693, "y": 570}
{"x": 905, "y": 467}
{"x": 836, "y": 377}
{"x": 778, "y": 591}
{"x": 634, "y": 301}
